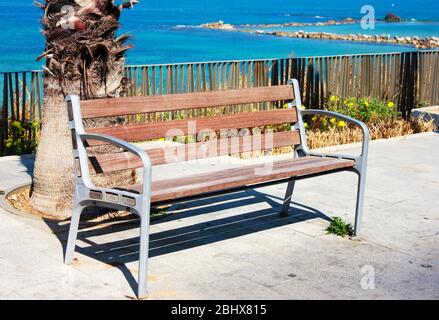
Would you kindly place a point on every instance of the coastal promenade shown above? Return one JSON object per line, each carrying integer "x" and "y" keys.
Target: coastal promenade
{"x": 237, "y": 247}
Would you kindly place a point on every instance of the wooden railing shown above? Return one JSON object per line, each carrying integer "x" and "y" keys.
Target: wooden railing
{"x": 408, "y": 79}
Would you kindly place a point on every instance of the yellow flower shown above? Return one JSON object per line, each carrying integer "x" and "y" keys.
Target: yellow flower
{"x": 351, "y": 105}
{"x": 390, "y": 104}
{"x": 366, "y": 103}
{"x": 333, "y": 120}
{"x": 16, "y": 124}
{"x": 333, "y": 98}
{"x": 342, "y": 124}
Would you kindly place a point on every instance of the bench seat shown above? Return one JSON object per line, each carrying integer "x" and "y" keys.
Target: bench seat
{"x": 229, "y": 179}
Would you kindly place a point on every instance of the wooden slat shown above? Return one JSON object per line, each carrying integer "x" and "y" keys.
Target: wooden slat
{"x": 154, "y": 130}
{"x": 241, "y": 177}
{"x": 221, "y": 147}
{"x": 173, "y": 102}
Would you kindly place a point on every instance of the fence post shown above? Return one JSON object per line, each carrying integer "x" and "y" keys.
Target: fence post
{"x": 4, "y": 118}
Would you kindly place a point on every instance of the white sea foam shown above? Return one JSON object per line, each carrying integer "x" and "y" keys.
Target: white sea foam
{"x": 185, "y": 26}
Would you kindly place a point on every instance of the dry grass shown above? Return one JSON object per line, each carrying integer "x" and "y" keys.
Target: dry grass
{"x": 395, "y": 128}
{"x": 21, "y": 202}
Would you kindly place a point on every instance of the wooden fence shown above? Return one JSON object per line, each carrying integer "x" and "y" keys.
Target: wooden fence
{"x": 409, "y": 79}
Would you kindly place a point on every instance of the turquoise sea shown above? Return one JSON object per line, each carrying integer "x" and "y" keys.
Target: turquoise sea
{"x": 165, "y": 32}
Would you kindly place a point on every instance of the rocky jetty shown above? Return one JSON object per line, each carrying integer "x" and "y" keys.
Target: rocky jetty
{"x": 420, "y": 43}
{"x": 219, "y": 25}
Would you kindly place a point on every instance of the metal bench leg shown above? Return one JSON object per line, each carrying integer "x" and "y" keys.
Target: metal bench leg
{"x": 73, "y": 233}
{"x": 360, "y": 203}
{"x": 287, "y": 199}
{"x": 143, "y": 255}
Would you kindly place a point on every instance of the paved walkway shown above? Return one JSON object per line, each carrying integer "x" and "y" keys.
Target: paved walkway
{"x": 242, "y": 249}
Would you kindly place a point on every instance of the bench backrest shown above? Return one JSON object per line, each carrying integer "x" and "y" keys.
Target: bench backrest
{"x": 192, "y": 126}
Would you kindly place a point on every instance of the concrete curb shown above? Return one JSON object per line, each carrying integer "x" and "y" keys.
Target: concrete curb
{"x": 56, "y": 225}
{"x": 4, "y": 204}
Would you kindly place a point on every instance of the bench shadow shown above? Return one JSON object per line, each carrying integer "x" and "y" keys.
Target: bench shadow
{"x": 118, "y": 253}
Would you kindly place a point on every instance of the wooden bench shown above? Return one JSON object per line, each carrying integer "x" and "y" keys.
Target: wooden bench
{"x": 138, "y": 198}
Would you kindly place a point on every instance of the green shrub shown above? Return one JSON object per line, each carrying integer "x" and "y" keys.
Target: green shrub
{"x": 158, "y": 212}
{"x": 368, "y": 110}
{"x": 340, "y": 228}
{"x": 22, "y": 137}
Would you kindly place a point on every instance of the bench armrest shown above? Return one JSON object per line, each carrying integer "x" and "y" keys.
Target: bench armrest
{"x": 147, "y": 166}
{"x": 361, "y": 160}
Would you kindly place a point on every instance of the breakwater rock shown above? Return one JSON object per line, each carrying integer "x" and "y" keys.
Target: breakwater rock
{"x": 391, "y": 17}
{"x": 219, "y": 25}
{"x": 420, "y": 43}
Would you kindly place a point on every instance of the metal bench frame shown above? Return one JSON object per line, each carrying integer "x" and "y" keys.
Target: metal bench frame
{"x": 140, "y": 204}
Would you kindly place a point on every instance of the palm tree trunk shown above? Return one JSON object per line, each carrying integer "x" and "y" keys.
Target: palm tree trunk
{"x": 53, "y": 174}
{"x": 83, "y": 57}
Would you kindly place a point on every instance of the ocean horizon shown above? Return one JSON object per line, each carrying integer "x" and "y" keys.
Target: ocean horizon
{"x": 168, "y": 33}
